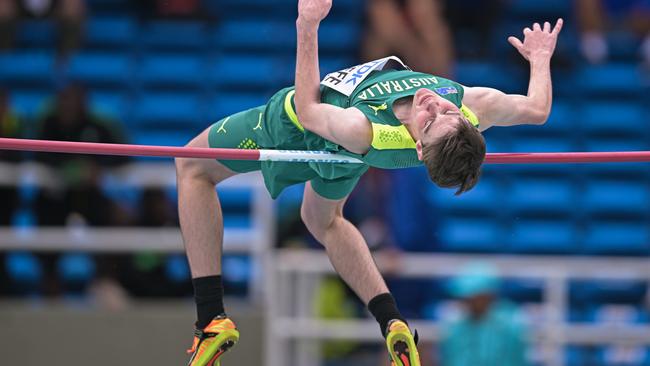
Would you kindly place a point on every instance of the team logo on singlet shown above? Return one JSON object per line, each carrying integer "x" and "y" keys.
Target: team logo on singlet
{"x": 446, "y": 90}
{"x": 382, "y": 107}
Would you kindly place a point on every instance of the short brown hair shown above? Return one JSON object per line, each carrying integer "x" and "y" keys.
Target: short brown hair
{"x": 456, "y": 159}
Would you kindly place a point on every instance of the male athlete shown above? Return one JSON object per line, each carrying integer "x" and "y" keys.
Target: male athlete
{"x": 380, "y": 112}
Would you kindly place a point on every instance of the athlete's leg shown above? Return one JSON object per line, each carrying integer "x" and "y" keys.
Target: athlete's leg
{"x": 345, "y": 246}
{"x": 199, "y": 209}
{"x": 350, "y": 256}
{"x": 202, "y": 227}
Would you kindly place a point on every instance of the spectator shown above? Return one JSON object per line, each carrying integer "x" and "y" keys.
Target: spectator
{"x": 9, "y": 127}
{"x": 414, "y": 30}
{"x": 178, "y": 7}
{"x": 156, "y": 210}
{"x": 334, "y": 300}
{"x": 489, "y": 331}
{"x": 69, "y": 14}
{"x": 144, "y": 274}
{"x": 596, "y": 17}
{"x": 8, "y": 17}
{"x": 171, "y": 8}
{"x": 81, "y": 199}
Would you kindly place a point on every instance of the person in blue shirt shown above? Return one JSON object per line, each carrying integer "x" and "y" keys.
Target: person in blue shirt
{"x": 489, "y": 331}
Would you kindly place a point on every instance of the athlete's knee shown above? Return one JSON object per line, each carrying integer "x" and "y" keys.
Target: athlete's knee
{"x": 191, "y": 168}
{"x": 317, "y": 223}
{"x": 209, "y": 170}
{"x": 188, "y": 168}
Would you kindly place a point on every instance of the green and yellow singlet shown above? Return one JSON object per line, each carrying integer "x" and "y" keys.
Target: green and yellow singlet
{"x": 392, "y": 147}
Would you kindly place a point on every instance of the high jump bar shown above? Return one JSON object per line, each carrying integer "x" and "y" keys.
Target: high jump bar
{"x": 294, "y": 155}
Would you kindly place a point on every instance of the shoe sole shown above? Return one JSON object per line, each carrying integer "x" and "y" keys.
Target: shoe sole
{"x": 224, "y": 341}
{"x": 402, "y": 349}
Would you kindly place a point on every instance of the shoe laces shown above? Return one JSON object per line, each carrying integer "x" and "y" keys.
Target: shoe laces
{"x": 200, "y": 334}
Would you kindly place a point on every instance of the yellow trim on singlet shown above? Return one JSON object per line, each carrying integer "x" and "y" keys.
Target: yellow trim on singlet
{"x": 386, "y": 137}
{"x": 471, "y": 116}
{"x": 288, "y": 109}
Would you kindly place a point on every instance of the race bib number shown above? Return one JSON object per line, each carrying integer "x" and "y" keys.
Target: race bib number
{"x": 346, "y": 80}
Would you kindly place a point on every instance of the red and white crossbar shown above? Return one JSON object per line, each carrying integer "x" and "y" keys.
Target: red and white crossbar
{"x": 296, "y": 156}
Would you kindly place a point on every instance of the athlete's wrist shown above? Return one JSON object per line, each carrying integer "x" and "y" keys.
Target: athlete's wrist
{"x": 307, "y": 23}
{"x": 540, "y": 59}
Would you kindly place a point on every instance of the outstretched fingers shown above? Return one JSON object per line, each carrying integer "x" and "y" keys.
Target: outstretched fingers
{"x": 558, "y": 27}
{"x": 515, "y": 42}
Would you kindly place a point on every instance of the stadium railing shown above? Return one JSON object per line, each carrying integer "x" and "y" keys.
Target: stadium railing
{"x": 293, "y": 329}
{"x": 254, "y": 239}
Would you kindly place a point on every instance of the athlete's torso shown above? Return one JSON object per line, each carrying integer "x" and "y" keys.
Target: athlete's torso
{"x": 276, "y": 126}
{"x": 392, "y": 146}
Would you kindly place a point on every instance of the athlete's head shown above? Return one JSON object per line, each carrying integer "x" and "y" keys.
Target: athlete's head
{"x": 449, "y": 145}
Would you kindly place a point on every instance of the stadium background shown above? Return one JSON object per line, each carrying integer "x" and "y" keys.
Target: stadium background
{"x": 572, "y": 242}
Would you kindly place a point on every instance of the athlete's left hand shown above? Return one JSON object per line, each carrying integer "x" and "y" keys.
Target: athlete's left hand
{"x": 538, "y": 43}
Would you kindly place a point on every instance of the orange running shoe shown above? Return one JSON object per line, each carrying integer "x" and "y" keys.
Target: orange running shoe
{"x": 402, "y": 346}
{"x": 212, "y": 342}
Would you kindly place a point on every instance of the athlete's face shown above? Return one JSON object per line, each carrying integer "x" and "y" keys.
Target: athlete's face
{"x": 433, "y": 116}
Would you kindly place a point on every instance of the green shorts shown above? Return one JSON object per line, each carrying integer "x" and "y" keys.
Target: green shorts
{"x": 239, "y": 131}
{"x": 268, "y": 127}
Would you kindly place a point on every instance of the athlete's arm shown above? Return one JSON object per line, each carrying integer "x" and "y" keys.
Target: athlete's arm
{"x": 346, "y": 127}
{"x": 495, "y": 108}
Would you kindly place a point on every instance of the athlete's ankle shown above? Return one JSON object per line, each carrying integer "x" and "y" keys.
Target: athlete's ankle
{"x": 208, "y": 294}
{"x": 384, "y": 309}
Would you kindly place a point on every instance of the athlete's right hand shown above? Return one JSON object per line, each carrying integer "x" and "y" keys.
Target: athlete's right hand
{"x": 538, "y": 42}
{"x": 313, "y": 11}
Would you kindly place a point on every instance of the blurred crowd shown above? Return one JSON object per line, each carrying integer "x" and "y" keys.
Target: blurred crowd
{"x": 409, "y": 27}
{"x": 597, "y": 18}
{"x": 70, "y": 16}
{"x": 76, "y": 197}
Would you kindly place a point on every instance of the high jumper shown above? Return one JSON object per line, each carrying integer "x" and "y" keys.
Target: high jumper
{"x": 381, "y": 113}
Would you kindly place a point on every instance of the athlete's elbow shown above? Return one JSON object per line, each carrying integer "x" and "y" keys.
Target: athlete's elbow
{"x": 539, "y": 119}
{"x": 306, "y": 114}
{"x": 538, "y": 116}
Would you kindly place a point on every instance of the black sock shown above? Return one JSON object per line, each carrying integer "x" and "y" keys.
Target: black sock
{"x": 384, "y": 309}
{"x": 208, "y": 295}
